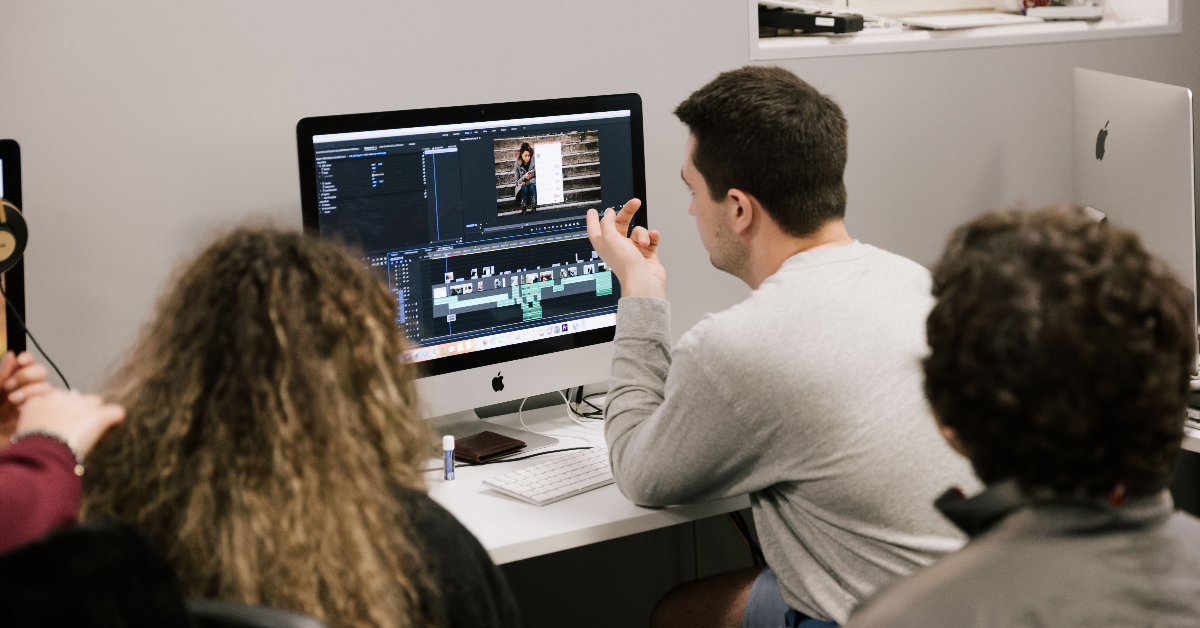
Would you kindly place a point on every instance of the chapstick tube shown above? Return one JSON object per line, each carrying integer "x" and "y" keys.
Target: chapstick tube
{"x": 448, "y": 446}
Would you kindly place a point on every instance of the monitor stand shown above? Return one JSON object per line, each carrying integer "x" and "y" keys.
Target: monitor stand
{"x": 463, "y": 424}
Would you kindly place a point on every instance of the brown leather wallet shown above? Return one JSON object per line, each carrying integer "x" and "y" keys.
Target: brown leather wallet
{"x": 484, "y": 446}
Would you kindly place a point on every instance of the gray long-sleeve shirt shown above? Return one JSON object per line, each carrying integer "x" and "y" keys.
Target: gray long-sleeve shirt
{"x": 807, "y": 396}
{"x": 1058, "y": 563}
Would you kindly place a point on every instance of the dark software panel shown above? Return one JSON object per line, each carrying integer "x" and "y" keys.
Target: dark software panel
{"x": 479, "y": 227}
{"x": 12, "y": 334}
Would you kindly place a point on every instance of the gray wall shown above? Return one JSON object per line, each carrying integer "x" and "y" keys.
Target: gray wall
{"x": 147, "y": 127}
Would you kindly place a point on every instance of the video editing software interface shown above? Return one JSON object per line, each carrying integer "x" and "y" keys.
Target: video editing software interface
{"x": 479, "y": 228}
{"x": 3, "y": 309}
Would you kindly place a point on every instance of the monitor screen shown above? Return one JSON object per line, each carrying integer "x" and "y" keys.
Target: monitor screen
{"x": 12, "y": 335}
{"x": 3, "y": 310}
{"x": 475, "y": 217}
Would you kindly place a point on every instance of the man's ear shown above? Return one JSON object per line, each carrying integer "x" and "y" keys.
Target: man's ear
{"x": 951, "y": 437}
{"x": 744, "y": 209}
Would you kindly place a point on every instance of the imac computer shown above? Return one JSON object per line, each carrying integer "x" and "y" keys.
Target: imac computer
{"x": 12, "y": 334}
{"x": 1134, "y": 162}
{"x": 475, "y": 217}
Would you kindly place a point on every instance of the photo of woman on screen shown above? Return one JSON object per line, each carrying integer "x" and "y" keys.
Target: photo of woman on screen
{"x": 526, "y": 186}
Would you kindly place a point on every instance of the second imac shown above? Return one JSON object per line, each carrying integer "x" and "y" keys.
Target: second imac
{"x": 475, "y": 216}
{"x": 1134, "y": 162}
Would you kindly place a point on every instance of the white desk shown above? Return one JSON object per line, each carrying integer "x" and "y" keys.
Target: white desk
{"x": 512, "y": 530}
{"x": 1191, "y": 439}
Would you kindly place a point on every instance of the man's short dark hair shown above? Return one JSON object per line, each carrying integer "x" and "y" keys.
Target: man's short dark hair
{"x": 764, "y": 131}
{"x": 1060, "y": 353}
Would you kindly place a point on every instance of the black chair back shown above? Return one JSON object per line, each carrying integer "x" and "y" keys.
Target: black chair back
{"x": 94, "y": 576}
{"x": 214, "y": 614}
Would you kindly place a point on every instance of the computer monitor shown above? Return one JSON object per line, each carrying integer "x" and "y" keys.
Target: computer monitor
{"x": 497, "y": 287}
{"x": 13, "y": 335}
{"x": 1134, "y": 162}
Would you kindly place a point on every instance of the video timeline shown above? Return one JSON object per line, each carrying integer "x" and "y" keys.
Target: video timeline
{"x": 480, "y": 229}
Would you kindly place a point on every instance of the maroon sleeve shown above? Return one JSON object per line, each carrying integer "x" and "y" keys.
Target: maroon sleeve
{"x": 39, "y": 490}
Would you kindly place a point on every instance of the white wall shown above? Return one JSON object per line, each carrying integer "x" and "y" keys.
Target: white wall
{"x": 146, "y": 127}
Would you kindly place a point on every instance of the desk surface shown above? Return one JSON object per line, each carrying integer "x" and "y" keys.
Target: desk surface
{"x": 1191, "y": 439}
{"x": 512, "y": 530}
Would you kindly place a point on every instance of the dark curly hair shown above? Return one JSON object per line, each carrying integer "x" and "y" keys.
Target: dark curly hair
{"x": 1060, "y": 353}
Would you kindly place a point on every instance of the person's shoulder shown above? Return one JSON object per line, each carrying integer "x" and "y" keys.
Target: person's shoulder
{"x": 899, "y": 265}
{"x": 441, "y": 536}
{"x": 471, "y": 589}
{"x": 942, "y": 594}
{"x": 717, "y": 333}
{"x": 431, "y": 521}
{"x": 1186, "y": 528}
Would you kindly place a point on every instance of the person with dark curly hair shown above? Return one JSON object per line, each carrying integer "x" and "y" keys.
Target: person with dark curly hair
{"x": 1061, "y": 352}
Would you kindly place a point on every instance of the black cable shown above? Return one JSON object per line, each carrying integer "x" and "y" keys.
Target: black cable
{"x": 745, "y": 536}
{"x": 589, "y": 397}
{"x": 13, "y": 309}
{"x": 459, "y": 463}
{"x": 595, "y": 416}
{"x": 743, "y": 529}
{"x": 745, "y": 541}
{"x": 540, "y": 453}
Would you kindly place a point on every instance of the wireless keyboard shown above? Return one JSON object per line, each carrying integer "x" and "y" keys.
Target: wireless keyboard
{"x": 556, "y": 479}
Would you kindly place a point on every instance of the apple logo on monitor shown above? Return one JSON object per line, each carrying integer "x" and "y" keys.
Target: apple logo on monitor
{"x": 498, "y": 382}
{"x": 1100, "y": 141}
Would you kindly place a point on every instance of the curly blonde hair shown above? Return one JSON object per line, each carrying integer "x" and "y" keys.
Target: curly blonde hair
{"x": 269, "y": 422}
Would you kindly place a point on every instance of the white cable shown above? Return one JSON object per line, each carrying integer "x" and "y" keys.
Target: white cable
{"x": 578, "y": 418}
{"x": 521, "y": 417}
{"x": 581, "y": 415}
{"x": 589, "y": 426}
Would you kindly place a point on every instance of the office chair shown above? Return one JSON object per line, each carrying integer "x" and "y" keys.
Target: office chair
{"x": 214, "y": 614}
{"x": 103, "y": 575}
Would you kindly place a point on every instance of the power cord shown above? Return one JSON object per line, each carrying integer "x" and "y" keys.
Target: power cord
{"x": 459, "y": 463}
{"x": 743, "y": 530}
{"x": 12, "y": 308}
{"x": 595, "y": 413}
{"x": 534, "y": 455}
{"x": 581, "y": 417}
{"x": 598, "y": 410}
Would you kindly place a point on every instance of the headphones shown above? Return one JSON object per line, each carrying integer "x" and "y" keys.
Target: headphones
{"x": 14, "y": 235}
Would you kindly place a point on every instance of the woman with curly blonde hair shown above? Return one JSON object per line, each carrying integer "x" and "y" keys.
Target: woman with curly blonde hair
{"x": 274, "y": 440}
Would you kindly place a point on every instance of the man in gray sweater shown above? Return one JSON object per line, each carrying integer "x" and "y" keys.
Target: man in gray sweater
{"x": 807, "y": 395}
{"x": 1061, "y": 355}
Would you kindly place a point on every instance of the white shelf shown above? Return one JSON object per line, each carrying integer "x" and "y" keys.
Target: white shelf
{"x": 887, "y": 41}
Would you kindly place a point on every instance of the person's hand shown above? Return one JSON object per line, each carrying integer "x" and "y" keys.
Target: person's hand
{"x": 634, "y": 259}
{"x": 77, "y": 419}
{"x": 20, "y": 379}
